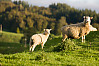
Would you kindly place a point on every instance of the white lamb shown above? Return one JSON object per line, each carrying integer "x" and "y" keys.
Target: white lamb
{"x": 37, "y": 39}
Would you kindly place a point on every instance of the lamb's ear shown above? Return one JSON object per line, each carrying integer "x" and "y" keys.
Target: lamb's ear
{"x": 91, "y": 17}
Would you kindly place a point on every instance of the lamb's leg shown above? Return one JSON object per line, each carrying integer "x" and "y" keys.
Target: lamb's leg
{"x": 42, "y": 44}
{"x": 83, "y": 38}
{"x": 30, "y": 48}
{"x": 34, "y": 45}
{"x": 64, "y": 37}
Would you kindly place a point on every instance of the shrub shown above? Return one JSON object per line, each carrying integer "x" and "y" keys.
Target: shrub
{"x": 41, "y": 57}
{"x": 67, "y": 45}
{"x": 51, "y": 36}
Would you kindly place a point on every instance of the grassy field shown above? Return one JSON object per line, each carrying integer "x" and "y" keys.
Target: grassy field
{"x": 18, "y": 55}
{"x": 10, "y": 37}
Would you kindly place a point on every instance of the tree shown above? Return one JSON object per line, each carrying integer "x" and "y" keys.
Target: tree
{"x": 30, "y": 22}
{"x": 18, "y": 30}
{"x": 60, "y": 24}
{"x": 5, "y": 0}
{"x": 22, "y": 24}
{"x": 39, "y": 24}
{"x": 44, "y": 24}
{"x": 29, "y": 32}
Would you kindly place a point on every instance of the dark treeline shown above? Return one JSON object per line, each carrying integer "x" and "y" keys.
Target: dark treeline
{"x": 20, "y": 17}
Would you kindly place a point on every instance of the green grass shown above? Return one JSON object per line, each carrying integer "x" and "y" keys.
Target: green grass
{"x": 18, "y": 55}
{"x": 93, "y": 37}
{"x": 10, "y": 37}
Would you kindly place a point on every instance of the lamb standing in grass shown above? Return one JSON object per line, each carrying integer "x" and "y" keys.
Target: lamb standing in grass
{"x": 91, "y": 28}
{"x": 77, "y": 30}
{"x": 39, "y": 39}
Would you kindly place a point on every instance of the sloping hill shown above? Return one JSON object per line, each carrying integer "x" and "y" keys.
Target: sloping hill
{"x": 93, "y": 36}
{"x": 10, "y": 37}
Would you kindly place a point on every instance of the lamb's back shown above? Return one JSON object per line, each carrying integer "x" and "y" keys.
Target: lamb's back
{"x": 36, "y": 38}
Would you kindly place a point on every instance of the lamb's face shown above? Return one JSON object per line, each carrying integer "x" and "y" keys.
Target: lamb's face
{"x": 47, "y": 31}
{"x": 87, "y": 19}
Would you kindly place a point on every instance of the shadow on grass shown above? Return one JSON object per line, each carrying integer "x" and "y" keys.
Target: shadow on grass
{"x": 49, "y": 45}
{"x": 11, "y": 48}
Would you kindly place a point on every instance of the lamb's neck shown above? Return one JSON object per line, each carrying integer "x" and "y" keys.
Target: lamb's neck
{"x": 47, "y": 35}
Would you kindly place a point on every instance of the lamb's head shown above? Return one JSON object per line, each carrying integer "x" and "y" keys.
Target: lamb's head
{"x": 47, "y": 31}
{"x": 87, "y": 20}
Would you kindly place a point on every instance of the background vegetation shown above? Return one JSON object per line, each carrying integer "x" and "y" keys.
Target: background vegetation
{"x": 18, "y": 16}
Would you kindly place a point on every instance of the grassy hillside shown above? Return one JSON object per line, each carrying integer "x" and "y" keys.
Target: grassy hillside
{"x": 93, "y": 37}
{"x": 86, "y": 55}
{"x": 10, "y": 37}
